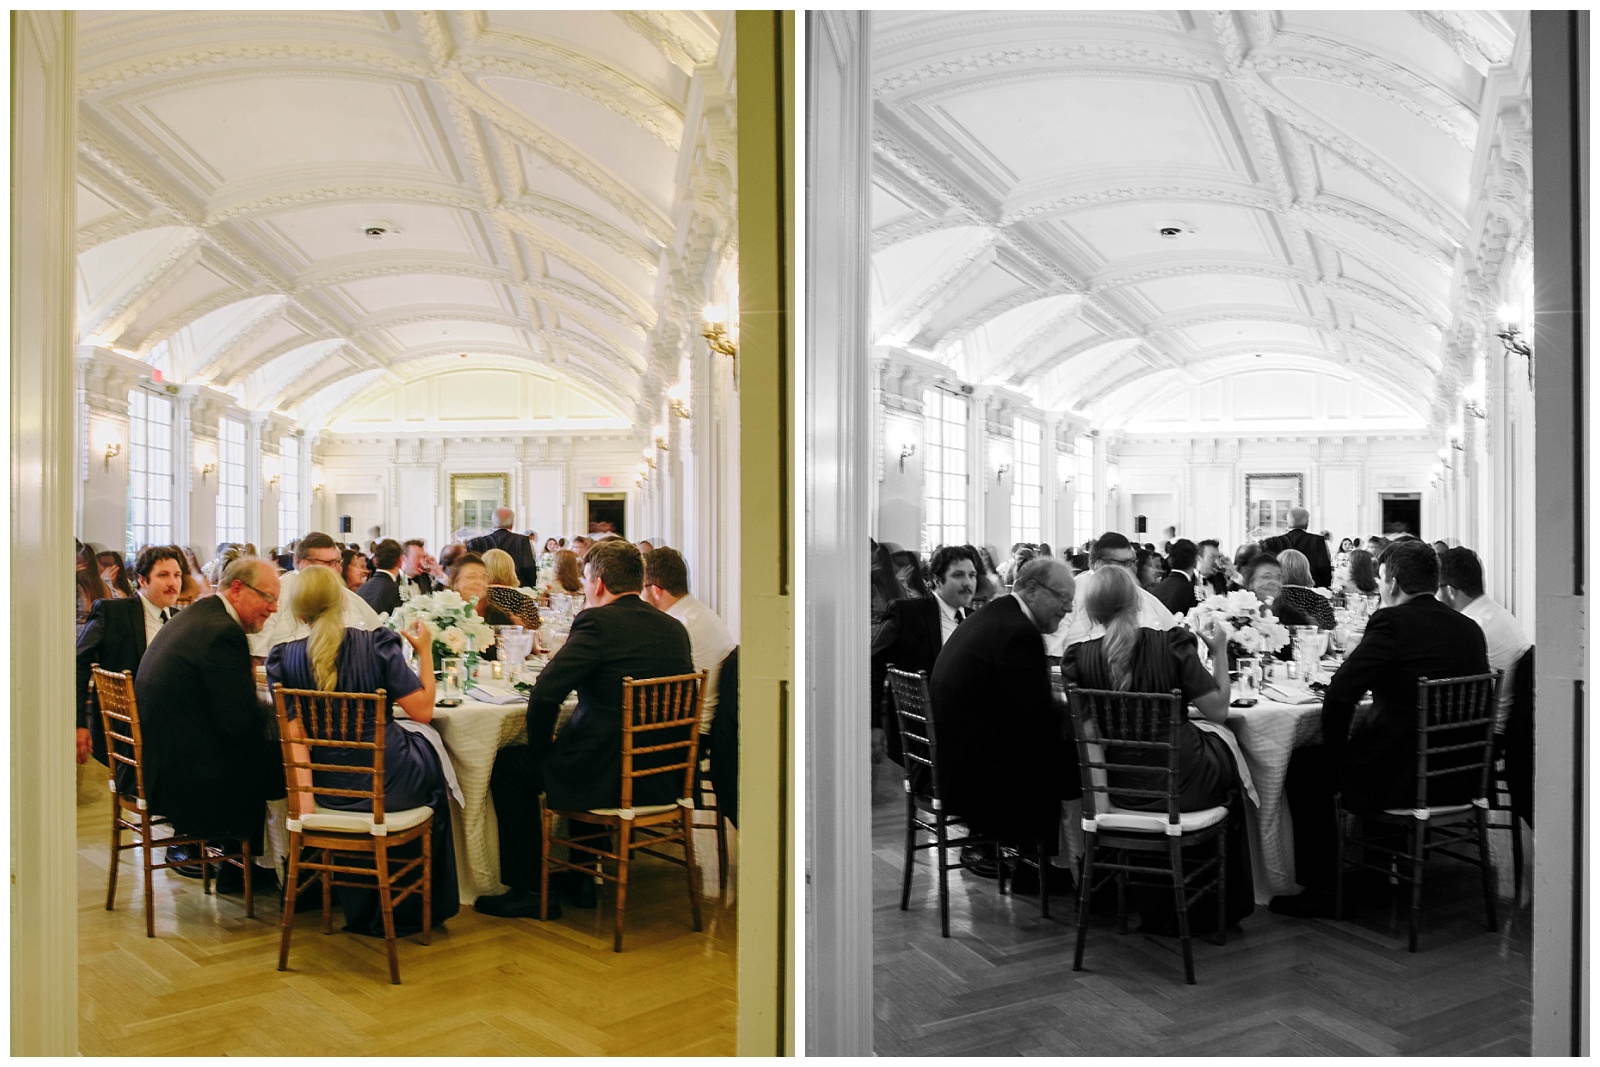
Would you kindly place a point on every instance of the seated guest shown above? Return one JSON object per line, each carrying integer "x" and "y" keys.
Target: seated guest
{"x": 382, "y": 588}
{"x": 913, "y": 633}
{"x": 353, "y": 567}
{"x": 1007, "y": 760}
{"x": 1213, "y": 569}
{"x": 91, "y": 587}
{"x": 617, "y": 636}
{"x": 470, "y": 578}
{"x": 116, "y": 634}
{"x": 211, "y": 762}
{"x": 989, "y": 584}
{"x": 416, "y": 568}
{"x": 1373, "y": 763}
{"x": 566, "y": 575}
{"x": 1363, "y": 579}
{"x": 1111, "y": 550}
{"x": 1461, "y": 587}
{"x": 194, "y": 575}
{"x": 1241, "y": 559}
{"x": 448, "y": 556}
{"x": 504, "y": 593}
{"x": 114, "y": 572}
{"x": 1132, "y": 658}
{"x": 666, "y": 588}
{"x": 1178, "y": 590}
{"x": 1150, "y": 567}
{"x": 908, "y": 569}
{"x": 886, "y": 587}
{"x": 1079, "y": 562}
{"x": 1297, "y": 604}
{"x": 339, "y": 659}
{"x": 580, "y": 545}
{"x": 315, "y": 549}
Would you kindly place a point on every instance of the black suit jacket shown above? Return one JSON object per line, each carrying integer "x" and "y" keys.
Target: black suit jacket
{"x": 907, "y": 640}
{"x": 583, "y": 767}
{"x": 1176, "y": 592}
{"x": 422, "y": 583}
{"x": 381, "y": 592}
{"x": 1005, "y": 762}
{"x": 208, "y": 763}
{"x": 112, "y": 636}
{"x": 520, "y": 549}
{"x": 1377, "y": 759}
{"x": 1315, "y": 549}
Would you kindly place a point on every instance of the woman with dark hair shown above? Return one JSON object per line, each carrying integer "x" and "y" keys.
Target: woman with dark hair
{"x": 353, "y": 567}
{"x": 988, "y": 584}
{"x": 91, "y": 586}
{"x": 886, "y": 588}
{"x": 1241, "y": 560}
{"x": 114, "y": 572}
{"x": 1131, "y": 658}
{"x": 908, "y": 570}
{"x": 1149, "y": 566}
{"x": 568, "y": 575}
{"x": 1363, "y": 574}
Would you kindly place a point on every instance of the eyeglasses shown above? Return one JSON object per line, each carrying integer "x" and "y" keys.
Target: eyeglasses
{"x": 334, "y": 562}
{"x": 269, "y": 599}
{"x": 1129, "y": 562}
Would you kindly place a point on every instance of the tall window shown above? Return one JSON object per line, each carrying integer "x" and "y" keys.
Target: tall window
{"x": 289, "y": 490}
{"x": 1027, "y": 488}
{"x": 1083, "y": 490}
{"x": 944, "y": 469}
{"x": 230, "y": 480}
{"x": 149, "y": 470}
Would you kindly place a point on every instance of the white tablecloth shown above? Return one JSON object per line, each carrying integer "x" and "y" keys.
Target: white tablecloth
{"x": 1268, "y": 734}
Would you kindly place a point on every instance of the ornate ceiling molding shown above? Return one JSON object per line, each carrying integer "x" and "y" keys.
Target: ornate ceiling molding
{"x": 1115, "y": 58}
{"x": 1469, "y": 48}
{"x": 247, "y": 59}
{"x": 972, "y": 260}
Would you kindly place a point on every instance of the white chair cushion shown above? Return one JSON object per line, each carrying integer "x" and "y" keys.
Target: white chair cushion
{"x": 1154, "y": 822}
{"x": 647, "y": 809}
{"x": 1436, "y": 810}
{"x": 329, "y": 820}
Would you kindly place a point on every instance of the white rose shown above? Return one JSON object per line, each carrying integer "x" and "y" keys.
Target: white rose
{"x": 455, "y": 639}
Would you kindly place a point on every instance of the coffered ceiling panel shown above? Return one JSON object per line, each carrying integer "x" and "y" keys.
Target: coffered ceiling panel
{"x": 1293, "y": 189}
{"x": 337, "y": 198}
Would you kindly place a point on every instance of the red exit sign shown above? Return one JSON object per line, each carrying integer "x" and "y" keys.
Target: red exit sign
{"x": 603, "y": 481}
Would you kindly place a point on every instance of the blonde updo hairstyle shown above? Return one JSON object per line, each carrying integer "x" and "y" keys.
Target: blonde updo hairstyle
{"x": 502, "y": 569}
{"x": 318, "y": 601}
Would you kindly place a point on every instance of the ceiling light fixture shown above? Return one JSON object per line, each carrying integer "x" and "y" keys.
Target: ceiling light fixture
{"x": 378, "y": 230}
{"x": 1173, "y": 229}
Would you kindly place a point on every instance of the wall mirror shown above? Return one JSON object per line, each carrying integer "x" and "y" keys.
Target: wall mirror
{"x": 1268, "y": 498}
{"x": 473, "y": 498}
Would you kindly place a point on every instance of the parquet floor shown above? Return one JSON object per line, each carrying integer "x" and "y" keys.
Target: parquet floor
{"x": 1003, "y": 983}
{"x": 207, "y": 984}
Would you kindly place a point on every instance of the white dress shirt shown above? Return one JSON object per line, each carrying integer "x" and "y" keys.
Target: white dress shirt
{"x": 283, "y": 626}
{"x": 709, "y": 644}
{"x": 947, "y": 619}
{"x": 152, "y": 621}
{"x": 1506, "y": 641}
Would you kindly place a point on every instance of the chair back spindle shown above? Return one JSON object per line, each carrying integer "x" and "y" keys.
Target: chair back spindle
{"x": 336, "y": 722}
{"x": 1111, "y": 727}
{"x": 1455, "y": 737}
{"x": 919, "y": 742}
{"x": 660, "y": 730}
{"x": 119, "y": 715}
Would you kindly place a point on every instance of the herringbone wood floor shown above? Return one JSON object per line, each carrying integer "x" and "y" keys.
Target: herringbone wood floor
{"x": 1003, "y": 983}
{"x": 208, "y": 983}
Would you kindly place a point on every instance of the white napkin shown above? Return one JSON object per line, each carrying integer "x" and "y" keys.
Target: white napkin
{"x": 1289, "y": 693}
{"x": 495, "y": 695}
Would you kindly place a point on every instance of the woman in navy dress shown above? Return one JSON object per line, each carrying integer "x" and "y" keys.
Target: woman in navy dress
{"x": 339, "y": 659}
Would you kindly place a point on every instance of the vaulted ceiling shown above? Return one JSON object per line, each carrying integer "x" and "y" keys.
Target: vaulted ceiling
{"x": 302, "y": 207}
{"x": 1094, "y": 207}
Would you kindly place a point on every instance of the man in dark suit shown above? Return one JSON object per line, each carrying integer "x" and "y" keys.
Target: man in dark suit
{"x": 1176, "y": 590}
{"x": 382, "y": 588}
{"x": 1373, "y": 764}
{"x": 118, "y": 631}
{"x": 417, "y": 567}
{"x": 1314, "y": 547}
{"x": 517, "y": 545}
{"x": 209, "y": 763}
{"x": 618, "y": 635}
{"x": 1005, "y": 759}
{"x": 912, "y": 634}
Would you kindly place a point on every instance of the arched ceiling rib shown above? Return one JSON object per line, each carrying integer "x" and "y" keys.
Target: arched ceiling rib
{"x": 1319, "y": 169}
{"x": 526, "y": 169}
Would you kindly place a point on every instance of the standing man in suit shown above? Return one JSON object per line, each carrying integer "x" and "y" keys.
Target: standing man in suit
{"x": 118, "y": 631}
{"x": 382, "y": 588}
{"x": 618, "y": 635}
{"x": 1006, "y": 758}
{"x": 1373, "y": 764}
{"x": 210, "y": 764}
{"x": 517, "y": 545}
{"x": 913, "y": 632}
{"x": 1314, "y": 547}
{"x": 1177, "y": 589}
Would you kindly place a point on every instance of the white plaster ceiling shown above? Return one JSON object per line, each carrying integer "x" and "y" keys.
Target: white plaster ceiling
{"x": 543, "y": 178}
{"x": 1323, "y": 169}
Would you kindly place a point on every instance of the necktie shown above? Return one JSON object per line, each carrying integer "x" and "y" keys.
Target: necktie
{"x": 961, "y": 615}
{"x": 167, "y": 614}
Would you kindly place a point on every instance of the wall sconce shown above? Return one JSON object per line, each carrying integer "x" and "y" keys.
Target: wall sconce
{"x": 678, "y": 400}
{"x": 1472, "y": 400}
{"x": 113, "y": 450}
{"x": 206, "y": 470}
{"x": 661, "y": 438}
{"x": 1511, "y": 339}
{"x": 272, "y": 482}
{"x": 649, "y": 458}
{"x": 318, "y": 488}
{"x": 1000, "y": 470}
{"x": 907, "y": 450}
{"x": 1458, "y": 439}
{"x": 715, "y": 318}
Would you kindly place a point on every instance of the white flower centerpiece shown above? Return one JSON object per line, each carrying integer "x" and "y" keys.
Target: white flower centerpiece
{"x": 1256, "y": 630}
{"x": 453, "y": 622}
